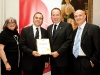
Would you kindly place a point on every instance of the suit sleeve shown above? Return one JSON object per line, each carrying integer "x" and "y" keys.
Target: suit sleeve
{"x": 96, "y": 40}
{"x": 22, "y": 43}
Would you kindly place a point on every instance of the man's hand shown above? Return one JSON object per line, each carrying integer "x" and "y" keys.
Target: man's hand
{"x": 54, "y": 54}
{"x": 35, "y": 53}
{"x": 91, "y": 64}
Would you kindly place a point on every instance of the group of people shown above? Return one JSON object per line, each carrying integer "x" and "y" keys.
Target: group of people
{"x": 73, "y": 52}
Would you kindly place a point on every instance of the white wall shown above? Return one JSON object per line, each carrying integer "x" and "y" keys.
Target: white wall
{"x": 96, "y": 12}
{"x": 1, "y": 13}
{"x": 8, "y": 8}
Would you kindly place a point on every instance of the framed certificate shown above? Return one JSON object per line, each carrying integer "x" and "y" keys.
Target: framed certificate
{"x": 43, "y": 46}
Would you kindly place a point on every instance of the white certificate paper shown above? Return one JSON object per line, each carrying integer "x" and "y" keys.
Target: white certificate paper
{"x": 43, "y": 46}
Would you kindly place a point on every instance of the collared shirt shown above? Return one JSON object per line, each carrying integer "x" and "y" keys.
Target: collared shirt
{"x": 34, "y": 30}
{"x": 81, "y": 53}
{"x": 56, "y": 27}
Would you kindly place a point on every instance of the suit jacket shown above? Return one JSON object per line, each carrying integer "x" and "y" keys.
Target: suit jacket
{"x": 90, "y": 42}
{"x": 28, "y": 45}
{"x": 61, "y": 43}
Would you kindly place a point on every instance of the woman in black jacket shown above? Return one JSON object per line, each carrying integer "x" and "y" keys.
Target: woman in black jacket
{"x": 9, "y": 51}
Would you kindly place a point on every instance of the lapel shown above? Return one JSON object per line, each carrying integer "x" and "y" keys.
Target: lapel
{"x": 31, "y": 33}
{"x": 58, "y": 29}
{"x": 75, "y": 32}
{"x": 42, "y": 32}
{"x": 50, "y": 32}
{"x": 84, "y": 31}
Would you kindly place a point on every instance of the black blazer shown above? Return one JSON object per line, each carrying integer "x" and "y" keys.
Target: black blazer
{"x": 61, "y": 43}
{"x": 90, "y": 42}
{"x": 28, "y": 45}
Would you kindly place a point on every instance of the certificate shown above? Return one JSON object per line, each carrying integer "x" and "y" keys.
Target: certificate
{"x": 43, "y": 46}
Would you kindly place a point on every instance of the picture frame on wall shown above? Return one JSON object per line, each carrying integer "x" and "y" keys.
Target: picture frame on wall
{"x": 86, "y": 5}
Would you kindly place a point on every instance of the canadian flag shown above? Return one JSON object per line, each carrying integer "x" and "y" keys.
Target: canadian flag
{"x": 27, "y": 8}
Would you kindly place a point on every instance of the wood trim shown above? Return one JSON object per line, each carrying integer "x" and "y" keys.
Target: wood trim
{"x": 90, "y": 11}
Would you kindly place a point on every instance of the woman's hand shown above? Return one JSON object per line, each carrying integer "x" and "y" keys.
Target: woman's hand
{"x": 8, "y": 67}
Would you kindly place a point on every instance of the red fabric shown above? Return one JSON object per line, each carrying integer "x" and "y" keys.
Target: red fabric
{"x": 47, "y": 69}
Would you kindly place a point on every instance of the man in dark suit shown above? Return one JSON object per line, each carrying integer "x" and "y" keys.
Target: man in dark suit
{"x": 60, "y": 40}
{"x": 86, "y": 46}
{"x": 32, "y": 62}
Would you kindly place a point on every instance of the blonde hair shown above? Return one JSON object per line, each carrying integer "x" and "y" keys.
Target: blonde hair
{"x": 67, "y": 9}
{"x": 73, "y": 23}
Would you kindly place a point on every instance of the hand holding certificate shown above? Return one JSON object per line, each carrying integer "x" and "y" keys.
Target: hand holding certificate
{"x": 43, "y": 46}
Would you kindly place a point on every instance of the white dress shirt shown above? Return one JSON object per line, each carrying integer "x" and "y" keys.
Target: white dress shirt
{"x": 81, "y": 53}
{"x": 56, "y": 27}
{"x": 34, "y": 30}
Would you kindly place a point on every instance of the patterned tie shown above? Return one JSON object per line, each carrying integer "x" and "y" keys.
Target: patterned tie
{"x": 37, "y": 34}
{"x": 54, "y": 30}
{"x": 77, "y": 41}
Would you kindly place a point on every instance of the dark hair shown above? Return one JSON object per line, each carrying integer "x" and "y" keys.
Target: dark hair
{"x": 7, "y": 21}
{"x": 38, "y": 13}
{"x": 55, "y": 9}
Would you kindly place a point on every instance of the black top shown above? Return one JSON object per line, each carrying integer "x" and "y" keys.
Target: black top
{"x": 7, "y": 38}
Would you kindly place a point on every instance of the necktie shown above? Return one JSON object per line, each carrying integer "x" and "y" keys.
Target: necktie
{"x": 37, "y": 34}
{"x": 77, "y": 43}
{"x": 54, "y": 30}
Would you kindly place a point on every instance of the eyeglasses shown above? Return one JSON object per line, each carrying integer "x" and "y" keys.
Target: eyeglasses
{"x": 11, "y": 22}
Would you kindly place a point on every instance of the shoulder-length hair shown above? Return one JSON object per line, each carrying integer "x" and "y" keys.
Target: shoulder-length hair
{"x": 11, "y": 20}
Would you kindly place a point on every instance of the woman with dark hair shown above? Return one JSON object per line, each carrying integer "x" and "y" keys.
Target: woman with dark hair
{"x": 9, "y": 47}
